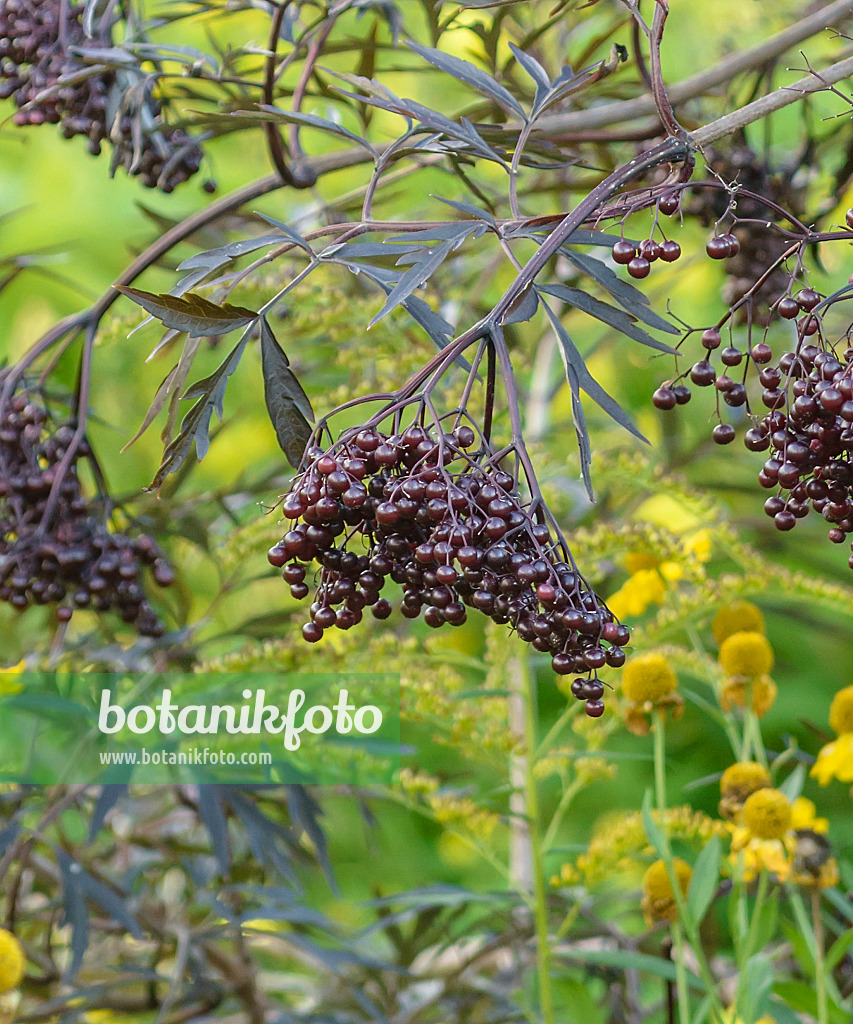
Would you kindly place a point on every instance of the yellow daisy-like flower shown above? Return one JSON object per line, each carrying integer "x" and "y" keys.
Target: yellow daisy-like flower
{"x": 658, "y": 899}
{"x": 737, "y": 617}
{"x": 835, "y": 761}
{"x": 738, "y": 782}
{"x": 741, "y": 691}
{"x": 746, "y": 653}
{"x": 767, "y": 814}
{"x": 648, "y": 678}
{"x": 12, "y": 961}
{"x": 841, "y": 711}
{"x": 641, "y": 589}
{"x": 799, "y": 853}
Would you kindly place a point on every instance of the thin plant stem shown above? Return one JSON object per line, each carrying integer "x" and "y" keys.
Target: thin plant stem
{"x": 659, "y": 733}
{"x": 752, "y": 933}
{"x": 680, "y": 972}
{"x": 691, "y": 927}
{"x": 819, "y": 961}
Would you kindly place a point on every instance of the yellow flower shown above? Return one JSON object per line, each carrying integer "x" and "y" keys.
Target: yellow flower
{"x": 835, "y": 761}
{"x": 698, "y": 545}
{"x": 756, "y": 855}
{"x": 804, "y": 815}
{"x": 641, "y": 589}
{"x": 738, "y": 782}
{"x": 841, "y": 711}
{"x": 12, "y": 961}
{"x": 648, "y": 678}
{"x": 797, "y": 852}
{"x": 746, "y": 654}
{"x": 664, "y": 510}
{"x": 737, "y": 617}
{"x": 636, "y": 561}
{"x": 767, "y": 814}
{"x": 658, "y": 899}
{"x": 739, "y": 691}
{"x": 9, "y": 685}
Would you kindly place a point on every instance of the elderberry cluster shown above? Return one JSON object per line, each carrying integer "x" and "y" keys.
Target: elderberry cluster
{"x": 810, "y": 430}
{"x": 51, "y": 84}
{"x": 449, "y": 527}
{"x": 733, "y": 392}
{"x": 71, "y": 560}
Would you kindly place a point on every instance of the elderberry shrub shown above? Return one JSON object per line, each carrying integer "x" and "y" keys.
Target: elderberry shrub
{"x": 452, "y": 529}
{"x": 50, "y": 84}
{"x": 71, "y": 559}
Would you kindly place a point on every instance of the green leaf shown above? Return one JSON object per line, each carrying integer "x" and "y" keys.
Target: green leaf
{"x": 783, "y": 1014}
{"x": 191, "y": 313}
{"x": 768, "y": 918}
{"x": 803, "y": 998}
{"x": 288, "y": 405}
{"x": 792, "y": 787}
{"x": 627, "y": 960}
{"x": 839, "y": 949}
{"x": 704, "y": 881}
{"x": 757, "y": 986}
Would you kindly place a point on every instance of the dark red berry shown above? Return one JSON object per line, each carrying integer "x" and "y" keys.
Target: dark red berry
{"x": 717, "y": 247}
{"x": 623, "y": 252}
{"x": 723, "y": 433}
{"x": 669, "y": 204}
{"x": 664, "y": 398}
{"x": 670, "y": 251}
{"x": 594, "y": 708}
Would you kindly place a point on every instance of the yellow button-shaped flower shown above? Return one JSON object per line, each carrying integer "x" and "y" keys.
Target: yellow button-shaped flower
{"x": 744, "y": 778}
{"x": 767, "y": 814}
{"x": 737, "y": 617}
{"x": 648, "y": 677}
{"x": 658, "y": 898}
{"x": 746, "y": 653}
{"x": 12, "y": 961}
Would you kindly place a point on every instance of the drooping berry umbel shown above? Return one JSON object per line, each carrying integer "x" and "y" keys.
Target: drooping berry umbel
{"x": 448, "y": 524}
{"x": 44, "y": 71}
{"x": 69, "y": 557}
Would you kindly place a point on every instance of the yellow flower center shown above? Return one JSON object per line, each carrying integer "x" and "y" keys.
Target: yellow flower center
{"x": 746, "y": 654}
{"x": 647, "y": 678}
{"x": 767, "y": 814}
{"x": 841, "y": 711}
